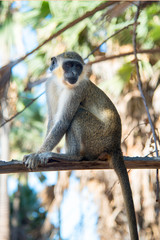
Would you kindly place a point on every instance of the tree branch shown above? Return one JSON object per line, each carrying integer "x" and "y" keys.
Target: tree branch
{"x": 57, "y": 163}
{"x": 114, "y": 34}
{"x": 141, "y": 91}
{"x": 35, "y": 83}
{"x": 141, "y": 51}
{"x": 18, "y": 113}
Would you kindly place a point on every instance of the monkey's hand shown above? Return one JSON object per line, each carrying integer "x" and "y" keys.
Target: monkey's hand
{"x": 33, "y": 160}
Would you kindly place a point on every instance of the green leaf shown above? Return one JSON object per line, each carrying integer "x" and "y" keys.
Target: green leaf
{"x": 125, "y": 72}
{"x": 154, "y": 34}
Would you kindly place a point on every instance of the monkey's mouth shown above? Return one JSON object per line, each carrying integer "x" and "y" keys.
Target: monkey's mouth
{"x": 72, "y": 80}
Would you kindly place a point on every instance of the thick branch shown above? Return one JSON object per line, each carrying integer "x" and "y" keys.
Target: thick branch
{"x": 56, "y": 163}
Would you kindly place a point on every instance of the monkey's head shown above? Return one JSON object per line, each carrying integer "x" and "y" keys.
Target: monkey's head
{"x": 67, "y": 66}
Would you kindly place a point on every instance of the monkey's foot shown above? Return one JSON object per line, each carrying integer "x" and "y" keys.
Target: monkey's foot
{"x": 33, "y": 160}
{"x": 104, "y": 156}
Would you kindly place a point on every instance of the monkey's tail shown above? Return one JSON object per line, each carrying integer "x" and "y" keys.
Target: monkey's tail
{"x": 120, "y": 169}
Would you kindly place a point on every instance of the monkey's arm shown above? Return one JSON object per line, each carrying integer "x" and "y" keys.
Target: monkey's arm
{"x": 63, "y": 119}
{"x": 55, "y": 134}
{"x": 51, "y": 99}
{"x": 66, "y": 111}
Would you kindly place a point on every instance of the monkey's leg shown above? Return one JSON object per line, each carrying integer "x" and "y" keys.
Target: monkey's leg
{"x": 118, "y": 165}
{"x": 86, "y": 135}
{"x": 73, "y": 140}
{"x": 73, "y": 153}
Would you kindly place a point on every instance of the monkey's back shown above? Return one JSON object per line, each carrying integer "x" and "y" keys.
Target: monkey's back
{"x": 99, "y": 104}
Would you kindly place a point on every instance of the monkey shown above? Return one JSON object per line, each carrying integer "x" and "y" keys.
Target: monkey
{"x": 82, "y": 112}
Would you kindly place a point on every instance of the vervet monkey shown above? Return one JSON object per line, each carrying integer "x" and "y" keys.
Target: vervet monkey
{"x": 82, "y": 112}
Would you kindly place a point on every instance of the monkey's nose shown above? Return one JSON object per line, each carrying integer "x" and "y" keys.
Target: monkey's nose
{"x": 74, "y": 73}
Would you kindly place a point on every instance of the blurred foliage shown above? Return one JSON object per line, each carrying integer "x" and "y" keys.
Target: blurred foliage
{"x": 52, "y": 21}
{"x": 148, "y": 36}
{"x": 125, "y": 72}
{"x": 6, "y": 24}
{"x": 26, "y": 135}
{"x": 31, "y": 215}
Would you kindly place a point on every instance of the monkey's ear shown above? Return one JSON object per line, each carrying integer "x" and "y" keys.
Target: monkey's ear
{"x": 53, "y": 59}
{"x": 53, "y": 63}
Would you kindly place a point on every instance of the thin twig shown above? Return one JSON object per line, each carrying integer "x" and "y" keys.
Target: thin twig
{"x": 151, "y": 153}
{"x": 142, "y": 94}
{"x": 18, "y": 113}
{"x": 144, "y": 123}
{"x": 32, "y": 84}
{"x": 114, "y": 34}
{"x": 140, "y": 51}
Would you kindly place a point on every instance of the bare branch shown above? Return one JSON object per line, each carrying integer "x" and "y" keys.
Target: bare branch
{"x": 141, "y": 91}
{"x": 56, "y": 163}
{"x": 32, "y": 84}
{"x": 140, "y": 51}
{"x": 138, "y": 125}
{"x": 18, "y": 113}
{"x": 114, "y": 34}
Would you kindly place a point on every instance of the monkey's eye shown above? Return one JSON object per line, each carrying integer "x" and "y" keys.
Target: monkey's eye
{"x": 69, "y": 64}
{"x": 79, "y": 67}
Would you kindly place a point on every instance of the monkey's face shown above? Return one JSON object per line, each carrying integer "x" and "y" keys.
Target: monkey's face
{"x": 68, "y": 69}
{"x": 72, "y": 71}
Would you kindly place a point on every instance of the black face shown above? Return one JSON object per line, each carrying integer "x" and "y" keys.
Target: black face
{"x": 72, "y": 70}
